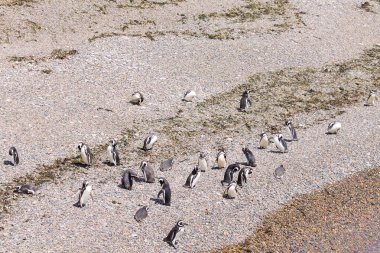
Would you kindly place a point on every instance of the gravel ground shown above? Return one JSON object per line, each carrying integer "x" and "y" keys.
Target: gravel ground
{"x": 49, "y": 105}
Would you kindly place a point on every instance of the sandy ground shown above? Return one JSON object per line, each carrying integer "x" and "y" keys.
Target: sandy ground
{"x": 49, "y": 105}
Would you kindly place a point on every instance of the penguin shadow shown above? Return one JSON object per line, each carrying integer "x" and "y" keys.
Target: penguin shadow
{"x": 277, "y": 151}
{"x": 246, "y": 164}
{"x": 7, "y": 162}
{"x": 158, "y": 201}
{"x": 288, "y": 140}
{"x": 215, "y": 168}
{"x": 139, "y": 179}
{"x": 109, "y": 164}
{"x": 81, "y": 165}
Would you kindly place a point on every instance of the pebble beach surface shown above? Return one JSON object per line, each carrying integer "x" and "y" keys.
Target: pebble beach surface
{"x": 52, "y": 100}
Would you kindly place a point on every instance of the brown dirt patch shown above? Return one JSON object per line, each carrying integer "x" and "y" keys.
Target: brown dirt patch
{"x": 344, "y": 217}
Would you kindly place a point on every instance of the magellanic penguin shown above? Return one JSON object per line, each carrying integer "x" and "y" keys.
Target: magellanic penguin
{"x": 148, "y": 172}
{"x": 245, "y": 101}
{"x": 221, "y": 159}
{"x": 251, "y": 161}
{"x": 243, "y": 175}
{"x": 137, "y": 98}
{"x": 149, "y": 142}
{"x": 127, "y": 179}
{"x": 371, "y": 98}
{"x": 189, "y": 96}
{"x": 279, "y": 172}
{"x": 334, "y": 127}
{"x": 85, "y": 153}
{"x": 231, "y": 191}
{"x": 165, "y": 191}
{"x": 291, "y": 130}
{"x": 229, "y": 173}
{"x": 141, "y": 214}
{"x": 193, "y": 177}
{"x": 280, "y": 143}
{"x": 264, "y": 141}
{"x": 26, "y": 189}
{"x": 202, "y": 162}
{"x": 13, "y": 152}
{"x": 84, "y": 193}
{"x": 113, "y": 154}
{"x": 174, "y": 233}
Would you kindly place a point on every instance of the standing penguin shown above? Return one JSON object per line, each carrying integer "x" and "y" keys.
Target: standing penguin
{"x": 84, "y": 193}
{"x": 148, "y": 172}
{"x": 174, "y": 233}
{"x": 371, "y": 98}
{"x": 149, "y": 142}
{"x": 193, "y": 177}
{"x": 243, "y": 175}
{"x": 137, "y": 98}
{"x": 221, "y": 159}
{"x": 13, "y": 152}
{"x": 334, "y": 127}
{"x": 231, "y": 191}
{"x": 291, "y": 130}
{"x": 264, "y": 141}
{"x": 202, "y": 162}
{"x": 165, "y": 191}
{"x": 280, "y": 143}
{"x": 245, "y": 101}
{"x": 229, "y": 173}
{"x": 250, "y": 157}
{"x": 85, "y": 153}
{"x": 189, "y": 96}
{"x": 141, "y": 214}
{"x": 127, "y": 179}
{"x": 113, "y": 154}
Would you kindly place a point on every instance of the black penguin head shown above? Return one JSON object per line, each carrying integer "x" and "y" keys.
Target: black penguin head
{"x": 202, "y": 155}
{"x": 288, "y": 123}
{"x": 143, "y": 164}
{"x": 162, "y": 181}
{"x": 195, "y": 170}
{"x": 246, "y": 93}
{"x": 146, "y": 208}
{"x": 80, "y": 146}
{"x": 262, "y": 134}
{"x": 236, "y": 168}
{"x": 12, "y": 150}
{"x": 113, "y": 142}
{"x": 85, "y": 184}
{"x": 181, "y": 223}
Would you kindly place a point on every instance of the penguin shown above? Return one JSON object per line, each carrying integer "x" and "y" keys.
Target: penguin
{"x": 174, "y": 233}
{"x": 84, "y": 193}
{"x": 167, "y": 164}
{"x": 141, "y": 214}
{"x": 127, "y": 179}
{"x": 26, "y": 189}
{"x": 229, "y": 173}
{"x": 13, "y": 152}
{"x": 280, "y": 143}
{"x": 371, "y": 98}
{"x": 279, "y": 172}
{"x": 245, "y": 101}
{"x": 113, "y": 154}
{"x": 231, "y": 191}
{"x": 148, "y": 172}
{"x": 250, "y": 157}
{"x": 149, "y": 142}
{"x": 85, "y": 153}
{"x": 334, "y": 127}
{"x": 189, "y": 96}
{"x": 202, "y": 163}
{"x": 193, "y": 177}
{"x": 243, "y": 174}
{"x": 291, "y": 130}
{"x": 137, "y": 98}
{"x": 264, "y": 141}
{"x": 165, "y": 191}
{"x": 221, "y": 159}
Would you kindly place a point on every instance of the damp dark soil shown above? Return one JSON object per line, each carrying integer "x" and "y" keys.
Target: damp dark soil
{"x": 344, "y": 217}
